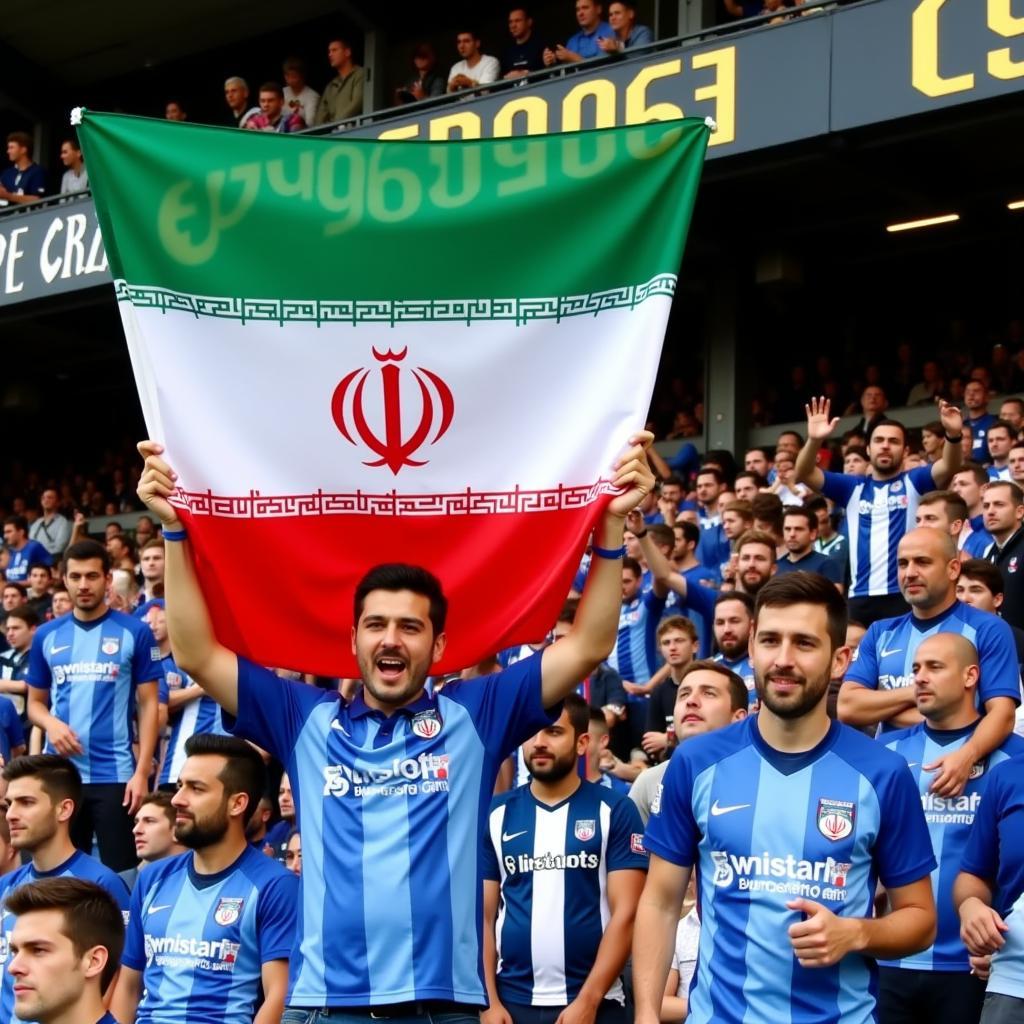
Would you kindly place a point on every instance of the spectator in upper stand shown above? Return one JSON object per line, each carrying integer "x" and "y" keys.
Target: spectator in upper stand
{"x": 628, "y": 34}
{"x": 1003, "y": 504}
{"x": 50, "y": 529}
{"x": 236, "y": 94}
{"x": 790, "y": 492}
{"x": 343, "y": 94}
{"x": 145, "y": 531}
{"x": 38, "y": 590}
{"x": 969, "y": 481}
{"x": 756, "y": 561}
{"x": 22, "y": 552}
{"x": 748, "y": 485}
{"x": 277, "y": 836}
{"x": 999, "y": 438}
{"x": 526, "y": 52}
{"x": 1016, "y": 463}
{"x": 713, "y": 548}
{"x": 174, "y": 111}
{"x": 800, "y": 531}
{"x": 475, "y": 68}
{"x": 76, "y": 177}
{"x": 742, "y": 8}
{"x": 1012, "y": 412}
{"x": 24, "y": 181}
{"x": 13, "y": 596}
{"x": 737, "y": 518}
{"x": 427, "y": 82}
{"x": 929, "y": 387}
{"x": 151, "y": 565}
{"x": 768, "y": 518}
{"x": 583, "y": 44}
{"x": 873, "y": 404}
{"x": 830, "y": 542}
{"x": 299, "y": 98}
{"x": 273, "y": 115}
{"x": 759, "y": 460}
{"x": 978, "y": 418}
{"x": 932, "y": 440}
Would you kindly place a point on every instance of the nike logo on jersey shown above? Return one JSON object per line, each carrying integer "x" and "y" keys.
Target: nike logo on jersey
{"x": 337, "y": 725}
{"x": 913, "y": 764}
{"x": 895, "y": 650}
{"x": 156, "y": 910}
{"x": 716, "y": 810}
{"x": 506, "y": 838}
{"x": 57, "y": 650}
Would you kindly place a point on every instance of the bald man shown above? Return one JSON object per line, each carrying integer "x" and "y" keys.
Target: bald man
{"x": 936, "y": 986}
{"x": 879, "y": 685}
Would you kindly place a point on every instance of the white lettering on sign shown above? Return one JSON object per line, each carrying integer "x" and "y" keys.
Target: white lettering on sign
{"x": 10, "y": 253}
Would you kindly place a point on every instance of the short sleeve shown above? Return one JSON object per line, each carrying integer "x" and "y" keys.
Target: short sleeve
{"x": 626, "y": 838}
{"x": 134, "y": 955}
{"x": 981, "y": 857}
{"x": 12, "y": 724}
{"x": 271, "y": 710}
{"x": 163, "y": 688}
{"x": 38, "y": 667}
{"x": 700, "y": 599}
{"x": 1000, "y": 671}
{"x": 864, "y": 666}
{"x": 39, "y": 553}
{"x": 614, "y": 691}
{"x": 654, "y": 604}
{"x": 490, "y": 870}
{"x": 277, "y": 916}
{"x": 146, "y": 667}
{"x": 923, "y": 479}
{"x": 672, "y": 831}
{"x": 839, "y": 486}
{"x": 831, "y": 570}
{"x": 903, "y": 850}
{"x": 506, "y": 708}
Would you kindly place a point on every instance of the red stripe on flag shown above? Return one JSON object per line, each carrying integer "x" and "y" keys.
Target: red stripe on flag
{"x": 280, "y": 589}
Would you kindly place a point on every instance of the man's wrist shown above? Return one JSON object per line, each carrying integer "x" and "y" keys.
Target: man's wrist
{"x": 858, "y": 933}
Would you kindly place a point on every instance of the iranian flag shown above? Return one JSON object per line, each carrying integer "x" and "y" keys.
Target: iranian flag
{"x": 359, "y": 352}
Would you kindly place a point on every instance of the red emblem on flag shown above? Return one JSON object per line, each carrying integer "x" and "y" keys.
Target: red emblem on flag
{"x": 395, "y": 448}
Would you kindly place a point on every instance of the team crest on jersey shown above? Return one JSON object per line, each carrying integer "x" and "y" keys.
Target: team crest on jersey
{"x": 586, "y": 828}
{"x": 426, "y": 724}
{"x": 111, "y": 645}
{"x": 1012, "y": 567}
{"x": 977, "y": 770}
{"x": 636, "y": 843}
{"x": 896, "y": 485}
{"x": 228, "y": 911}
{"x": 835, "y": 819}
{"x": 839, "y": 873}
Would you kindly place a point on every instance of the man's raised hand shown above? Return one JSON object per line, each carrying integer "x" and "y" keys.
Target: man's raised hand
{"x": 157, "y": 483}
{"x": 951, "y": 417}
{"x": 632, "y": 473}
{"x": 819, "y": 426}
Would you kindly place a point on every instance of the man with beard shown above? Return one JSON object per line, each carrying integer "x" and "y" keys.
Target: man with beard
{"x": 43, "y": 793}
{"x": 755, "y": 562}
{"x": 879, "y": 686}
{"x": 211, "y": 928}
{"x": 879, "y": 507}
{"x": 734, "y": 620}
{"x": 566, "y": 858}
{"x": 791, "y": 817}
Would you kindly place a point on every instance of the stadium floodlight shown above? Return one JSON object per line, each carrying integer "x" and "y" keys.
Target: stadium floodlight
{"x": 1017, "y": 204}
{"x": 925, "y": 222}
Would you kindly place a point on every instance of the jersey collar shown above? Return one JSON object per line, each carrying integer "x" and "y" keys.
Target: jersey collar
{"x": 790, "y": 764}
{"x": 946, "y": 736}
{"x": 359, "y": 708}
{"x": 925, "y": 624}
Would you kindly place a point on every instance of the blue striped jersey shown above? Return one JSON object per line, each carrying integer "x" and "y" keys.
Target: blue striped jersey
{"x": 979, "y": 434}
{"x": 764, "y": 827}
{"x": 977, "y": 540}
{"x": 19, "y": 562}
{"x": 635, "y": 656}
{"x": 510, "y": 655}
{"x": 995, "y": 473}
{"x": 742, "y": 668}
{"x": 995, "y": 852}
{"x": 11, "y": 732}
{"x": 200, "y": 941}
{"x": 697, "y": 610}
{"x": 878, "y": 514}
{"x": 553, "y": 862}
{"x": 949, "y": 824}
{"x": 92, "y": 670}
{"x": 200, "y": 715}
{"x": 391, "y": 810}
{"x": 78, "y": 865}
{"x": 884, "y": 660}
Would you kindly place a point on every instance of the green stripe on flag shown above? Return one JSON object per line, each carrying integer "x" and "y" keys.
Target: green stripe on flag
{"x": 237, "y": 215}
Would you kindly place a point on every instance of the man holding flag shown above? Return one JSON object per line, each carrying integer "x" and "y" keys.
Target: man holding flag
{"x": 393, "y": 789}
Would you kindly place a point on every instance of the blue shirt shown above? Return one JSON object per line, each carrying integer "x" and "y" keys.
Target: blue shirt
{"x": 277, "y": 837}
{"x": 979, "y": 540}
{"x": 78, "y": 865}
{"x": 884, "y": 660}
{"x": 698, "y": 576}
{"x": 742, "y": 668}
{"x": 764, "y": 827}
{"x": 552, "y": 863}
{"x": 878, "y": 514}
{"x": 995, "y": 852}
{"x": 585, "y": 43}
{"x": 200, "y": 715}
{"x": 979, "y": 433}
{"x": 91, "y": 670}
{"x": 635, "y": 656}
{"x": 29, "y": 182}
{"x": 391, "y": 812}
{"x": 949, "y": 824}
{"x": 11, "y": 732}
{"x": 19, "y": 562}
{"x": 200, "y": 941}
{"x": 813, "y": 561}
{"x": 714, "y": 549}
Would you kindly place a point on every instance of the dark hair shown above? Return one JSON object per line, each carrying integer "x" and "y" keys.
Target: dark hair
{"x": 467, "y": 31}
{"x": 395, "y": 576}
{"x": 633, "y": 566}
{"x": 294, "y": 64}
{"x": 18, "y": 522}
{"x": 26, "y": 613}
{"x": 691, "y": 531}
{"x": 749, "y": 474}
{"x": 739, "y": 695}
{"x": 956, "y": 507}
{"x": 340, "y": 39}
{"x": 662, "y": 535}
{"x": 21, "y": 138}
{"x": 678, "y": 622}
{"x": 935, "y": 427}
{"x": 568, "y": 612}
{"x": 712, "y": 470}
{"x": 672, "y": 481}
{"x": 806, "y": 588}
{"x": 1001, "y": 425}
{"x": 17, "y": 586}
{"x": 984, "y": 572}
{"x": 888, "y": 423}
{"x": 791, "y": 433}
{"x": 91, "y": 915}
{"x": 1019, "y": 402}
{"x": 1016, "y": 494}
{"x": 858, "y": 450}
{"x": 87, "y": 551}
{"x": 768, "y": 508}
{"x": 579, "y": 713}
{"x": 244, "y": 771}
{"x": 736, "y": 595}
{"x": 162, "y": 800}
{"x": 806, "y": 514}
{"x": 57, "y": 775}
{"x": 815, "y": 503}
{"x": 273, "y": 87}
{"x": 74, "y": 144}
{"x": 597, "y": 718}
{"x": 979, "y": 472}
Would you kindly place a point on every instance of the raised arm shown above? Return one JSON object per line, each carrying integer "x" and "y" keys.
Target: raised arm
{"x": 195, "y": 647}
{"x": 952, "y": 456}
{"x": 593, "y": 634}
{"x": 819, "y": 427}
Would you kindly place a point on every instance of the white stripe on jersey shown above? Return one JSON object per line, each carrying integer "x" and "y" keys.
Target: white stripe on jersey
{"x": 187, "y": 728}
{"x": 615, "y": 991}
{"x": 496, "y": 823}
{"x": 547, "y": 924}
{"x": 853, "y": 538}
{"x": 878, "y": 579}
